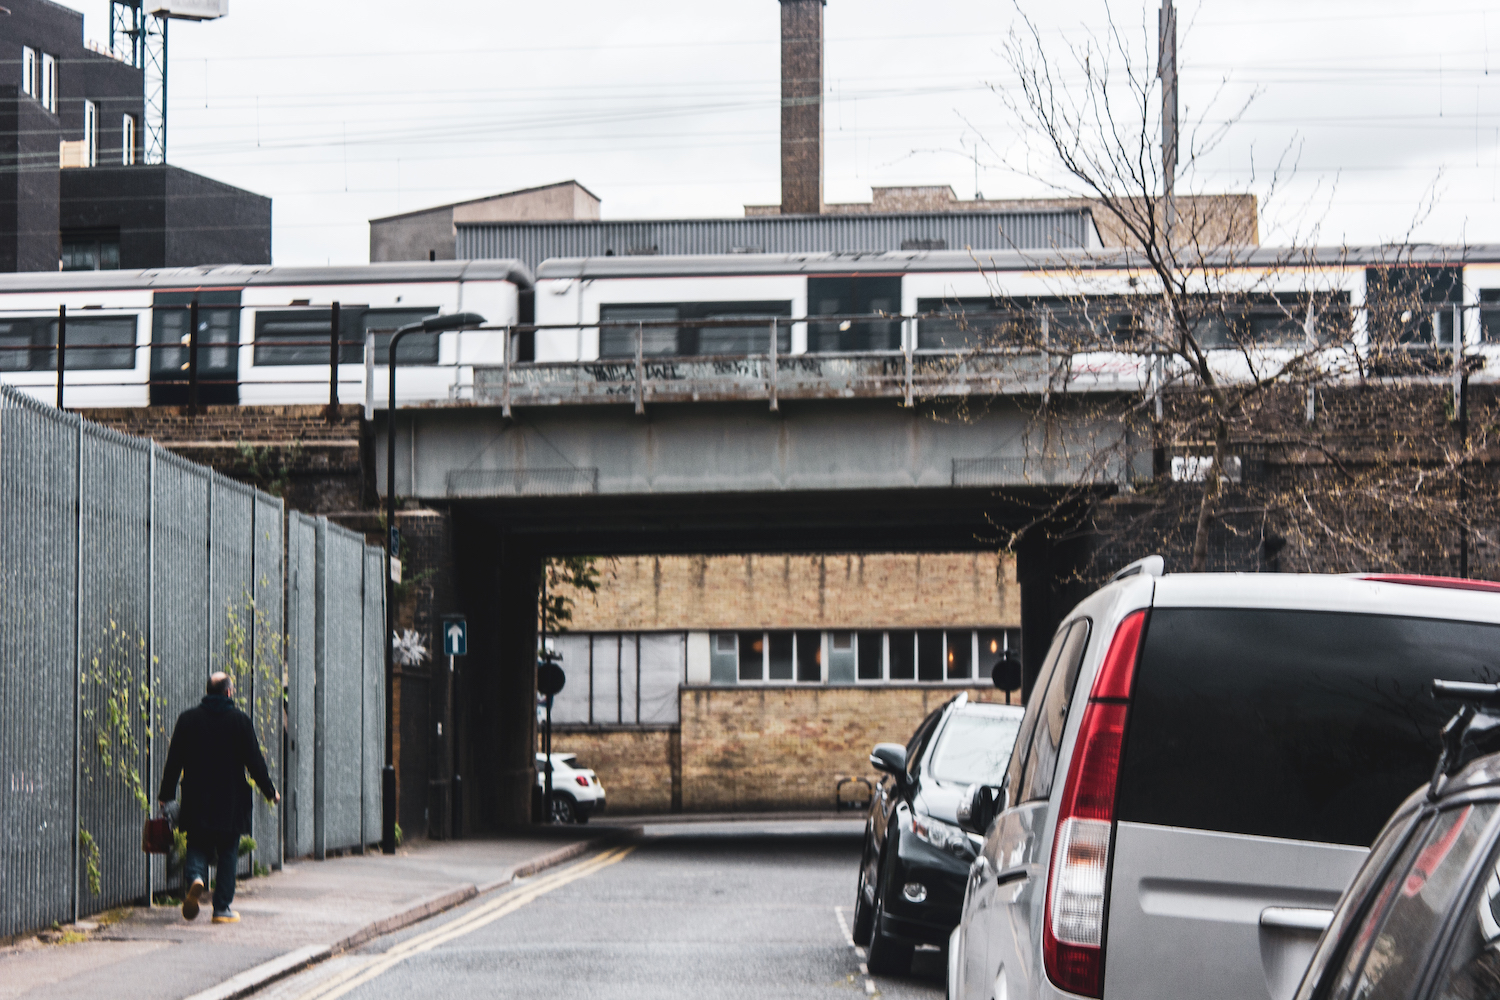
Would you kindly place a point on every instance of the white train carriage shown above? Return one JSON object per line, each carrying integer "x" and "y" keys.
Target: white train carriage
{"x": 926, "y": 291}
{"x": 263, "y": 332}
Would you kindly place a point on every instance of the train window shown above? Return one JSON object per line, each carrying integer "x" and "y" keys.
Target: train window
{"x": 416, "y": 349}
{"x": 1489, "y": 314}
{"x": 29, "y": 343}
{"x": 300, "y": 336}
{"x": 732, "y": 339}
{"x": 848, "y": 295}
{"x": 218, "y": 347}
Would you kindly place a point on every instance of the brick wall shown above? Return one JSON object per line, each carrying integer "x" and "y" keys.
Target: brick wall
{"x": 638, "y": 767}
{"x": 753, "y": 749}
{"x": 785, "y": 747}
{"x": 885, "y": 590}
{"x": 315, "y": 464}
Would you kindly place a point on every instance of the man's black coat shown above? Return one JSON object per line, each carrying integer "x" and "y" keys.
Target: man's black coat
{"x": 212, "y": 746}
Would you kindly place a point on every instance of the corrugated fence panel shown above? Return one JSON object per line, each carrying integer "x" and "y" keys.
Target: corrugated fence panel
{"x": 38, "y": 495}
{"x": 231, "y": 565}
{"x": 179, "y": 602}
{"x": 340, "y": 694}
{"x": 113, "y": 633}
{"x": 270, "y": 671}
{"x": 534, "y": 242}
{"x": 373, "y": 744}
{"x": 302, "y": 665}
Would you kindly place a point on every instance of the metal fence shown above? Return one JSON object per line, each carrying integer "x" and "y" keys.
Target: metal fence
{"x": 127, "y": 575}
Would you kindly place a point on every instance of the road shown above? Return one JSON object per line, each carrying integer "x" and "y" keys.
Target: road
{"x": 691, "y": 910}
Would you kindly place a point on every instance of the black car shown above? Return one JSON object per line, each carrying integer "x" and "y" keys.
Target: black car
{"x": 916, "y": 858}
{"x": 1422, "y": 917}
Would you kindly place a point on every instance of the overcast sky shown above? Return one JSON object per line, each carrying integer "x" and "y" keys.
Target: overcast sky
{"x": 344, "y": 111}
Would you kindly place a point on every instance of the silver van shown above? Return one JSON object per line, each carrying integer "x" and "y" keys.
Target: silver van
{"x": 1204, "y": 762}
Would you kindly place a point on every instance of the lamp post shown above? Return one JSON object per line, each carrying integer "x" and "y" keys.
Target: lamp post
{"x": 432, "y": 324}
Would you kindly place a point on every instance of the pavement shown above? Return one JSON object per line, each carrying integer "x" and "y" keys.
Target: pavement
{"x": 304, "y": 914}
{"x": 688, "y": 908}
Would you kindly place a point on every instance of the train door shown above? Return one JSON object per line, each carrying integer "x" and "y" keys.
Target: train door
{"x": 847, "y": 295}
{"x": 218, "y": 347}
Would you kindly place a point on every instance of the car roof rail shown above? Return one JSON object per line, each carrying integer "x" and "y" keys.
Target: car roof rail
{"x": 1472, "y": 733}
{"x": 1149, "y": 566}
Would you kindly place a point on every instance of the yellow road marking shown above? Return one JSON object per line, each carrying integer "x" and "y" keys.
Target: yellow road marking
{"x": 341, "y": 984}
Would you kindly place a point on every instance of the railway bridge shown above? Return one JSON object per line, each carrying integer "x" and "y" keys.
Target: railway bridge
{"x": 853, "y": 452}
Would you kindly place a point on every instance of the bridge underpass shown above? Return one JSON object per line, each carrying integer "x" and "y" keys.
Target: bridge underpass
{"x": 814, "y": 476}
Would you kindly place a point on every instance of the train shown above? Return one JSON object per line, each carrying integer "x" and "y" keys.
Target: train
{"x": 264, "y": 332}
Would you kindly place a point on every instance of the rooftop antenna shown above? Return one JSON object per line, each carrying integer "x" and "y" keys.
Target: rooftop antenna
{"x": 138, "y": 36}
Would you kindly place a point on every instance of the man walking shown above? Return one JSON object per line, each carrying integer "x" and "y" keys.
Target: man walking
{"x": 212, "y": 746}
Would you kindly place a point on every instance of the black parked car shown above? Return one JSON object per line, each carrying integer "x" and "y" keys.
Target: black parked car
{"x": 916, "y": 858}
{"x": 1422, "y": 917}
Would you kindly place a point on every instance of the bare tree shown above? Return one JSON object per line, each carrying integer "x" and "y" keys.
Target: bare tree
{"x": 1259, "y": 398}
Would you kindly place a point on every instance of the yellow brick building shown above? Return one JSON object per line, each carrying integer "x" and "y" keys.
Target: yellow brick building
{"x": 719, "y": 683}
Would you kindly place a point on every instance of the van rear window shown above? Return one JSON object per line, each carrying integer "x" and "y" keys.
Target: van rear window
{"x": 1297, "y": 724}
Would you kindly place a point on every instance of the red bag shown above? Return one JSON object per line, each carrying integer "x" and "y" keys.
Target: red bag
{"x": 156, "y": 836}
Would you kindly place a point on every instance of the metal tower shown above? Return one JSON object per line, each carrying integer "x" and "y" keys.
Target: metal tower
{"x": 138, "y": 35}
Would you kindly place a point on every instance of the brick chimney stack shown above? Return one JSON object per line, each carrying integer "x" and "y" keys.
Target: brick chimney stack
{"x": 802, "y": 107}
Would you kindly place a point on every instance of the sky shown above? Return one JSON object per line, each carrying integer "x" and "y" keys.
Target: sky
{"x": 1367, "y": 120}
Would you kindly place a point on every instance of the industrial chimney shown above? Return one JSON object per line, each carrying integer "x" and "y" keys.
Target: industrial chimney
{"x": 802, "y": 107}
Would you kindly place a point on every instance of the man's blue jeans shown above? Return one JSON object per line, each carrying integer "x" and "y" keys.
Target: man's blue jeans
{"x": 205, "y": 848}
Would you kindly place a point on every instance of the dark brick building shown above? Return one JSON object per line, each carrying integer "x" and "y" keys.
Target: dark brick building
{"x": 74, "y": 192}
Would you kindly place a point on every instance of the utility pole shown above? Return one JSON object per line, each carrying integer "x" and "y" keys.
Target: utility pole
{"x": 1166, "y": 71}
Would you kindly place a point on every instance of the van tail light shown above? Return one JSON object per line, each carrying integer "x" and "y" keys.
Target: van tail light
{"x": 1078, "y": 881}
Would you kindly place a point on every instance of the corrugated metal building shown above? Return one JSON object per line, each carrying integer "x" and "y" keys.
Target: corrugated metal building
{"x": 534, "y": 242}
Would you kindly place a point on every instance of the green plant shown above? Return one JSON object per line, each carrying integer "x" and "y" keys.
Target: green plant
{"x": 90, "y": 851}
{"x": 118, "y": 713}
{"x": 247, "y": 844}
{"x": 409, "y": 585}
{"x": 259, "y": 870}
{"x": 255, "y": 660}
{"x": 269, "y": 467}
{"x": 398, "y": 835}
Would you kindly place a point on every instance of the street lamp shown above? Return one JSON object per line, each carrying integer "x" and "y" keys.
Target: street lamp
{"x": 432, "y": 324}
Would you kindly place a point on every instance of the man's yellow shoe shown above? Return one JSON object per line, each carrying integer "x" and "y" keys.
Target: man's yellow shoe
{"x": 226, "y": 917}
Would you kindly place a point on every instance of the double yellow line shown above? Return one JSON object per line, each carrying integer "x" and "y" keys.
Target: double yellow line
{"x": 349, "y": 979}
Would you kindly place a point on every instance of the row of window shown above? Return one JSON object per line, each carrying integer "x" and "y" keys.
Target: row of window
{"x": 847, "y": 657}
{"x": 39, "y": 80}
{"x": 1411, "y": 307}
{"x": 282, "y": 337}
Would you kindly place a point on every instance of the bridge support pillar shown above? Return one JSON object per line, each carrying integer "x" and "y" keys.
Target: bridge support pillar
{"x": 1047, "y": 569}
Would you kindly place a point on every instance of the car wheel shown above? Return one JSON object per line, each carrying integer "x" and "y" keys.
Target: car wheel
{"x": 887, "y": 955}
{"x": 562, "y": 809}
{"x": 864, "y": 912}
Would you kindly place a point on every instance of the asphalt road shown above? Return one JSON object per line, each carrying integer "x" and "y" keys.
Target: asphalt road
{"x": 691, "y": 910}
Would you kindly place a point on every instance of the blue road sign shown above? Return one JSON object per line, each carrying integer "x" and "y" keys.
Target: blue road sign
{"x": 455, "y": 637}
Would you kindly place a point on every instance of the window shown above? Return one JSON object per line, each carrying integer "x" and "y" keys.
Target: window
{"x": 842, "y": 660}
{"x": 1489, "y": 314}
{"x": 993, "y": 645}
{"x": 1473, "y": 966}
{"x": 28, "y": 343}
{"x": 48, "y": 80}
{"x": 90, "y": 250}
{"x": 960, "y": 652}
{"x": 127, "y": 140}
{"x": 870, "y": 653}
{"x": 90, "y": 134}
{"x": 1391, "y": 949}
{"x": 620, "y": 679}
{"x": 1308, "y": 725}
{"x": 810, "y": 656}
{"x": 1403, "y": 303}
{"x": 929, "y": 655}
{"x": 1041, "y": 763}
{"x": 690, "y": 341}
{"x": 854, "y": 296}
{"x": 752, "y": 656}
{"x": 218, "y": 347}
{"x": 416, "y": 348}
{"x": 903, "y": 649}
{"x": 779, "y": 664}
{"x": 723, "y": 664}
{"x": 30, "y": 72}
{"x": 300, "y": 336}
{"x": 969, "y": 324}
{"x": 974, "y": 747}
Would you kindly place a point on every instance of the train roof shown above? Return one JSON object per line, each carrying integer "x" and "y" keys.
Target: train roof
{"x": 917, "y": 261}
{"x": 242, "y": 275}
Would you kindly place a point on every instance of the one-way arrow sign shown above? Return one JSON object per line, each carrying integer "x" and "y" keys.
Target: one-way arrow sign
{"x": 455, "y": 637}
